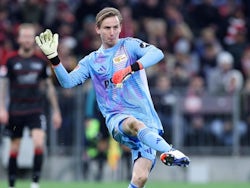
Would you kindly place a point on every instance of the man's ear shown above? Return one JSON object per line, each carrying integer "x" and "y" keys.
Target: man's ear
{"x": 97, "y": 29}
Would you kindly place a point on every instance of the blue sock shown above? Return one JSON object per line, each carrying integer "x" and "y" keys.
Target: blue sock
{"x": 131, "y": 185}
{"x": 153, "y": 140}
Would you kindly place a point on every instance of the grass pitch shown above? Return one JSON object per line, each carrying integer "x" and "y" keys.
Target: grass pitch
{"x": 47, "y": 184}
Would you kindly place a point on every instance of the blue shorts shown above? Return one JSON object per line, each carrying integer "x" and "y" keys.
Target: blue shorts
{"x": 138, "y": 149}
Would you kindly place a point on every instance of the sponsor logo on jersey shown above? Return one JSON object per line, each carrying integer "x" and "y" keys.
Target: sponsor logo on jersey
{"x": 18, "y": 66}
{"x": 108, "y": 84}
{"x": 120, "y": 58}
{"x": 29, "y": 78}
{"x": 36, "y": 65}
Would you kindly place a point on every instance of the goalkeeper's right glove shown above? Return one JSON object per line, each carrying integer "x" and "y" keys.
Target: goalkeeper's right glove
{"x": 123, "y": 74}
{"x": 48, "y": 43}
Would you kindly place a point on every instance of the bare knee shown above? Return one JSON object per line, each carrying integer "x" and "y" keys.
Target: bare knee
{"x": 14, "y": 146}
{"x": 131, "y": 125}
{"x": 38, "y": 138}
{"x": 140, "y": 179}
{"x": 141, "y": 170}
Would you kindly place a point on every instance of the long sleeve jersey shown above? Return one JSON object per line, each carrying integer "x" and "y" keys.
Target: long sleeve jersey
{"x": 133, "y": 98}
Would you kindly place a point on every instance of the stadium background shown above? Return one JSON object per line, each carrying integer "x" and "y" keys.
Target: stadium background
{"x": 208, "y": 119}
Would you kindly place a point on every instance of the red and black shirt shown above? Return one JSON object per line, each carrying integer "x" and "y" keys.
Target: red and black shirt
{"x": 25, "y": 76}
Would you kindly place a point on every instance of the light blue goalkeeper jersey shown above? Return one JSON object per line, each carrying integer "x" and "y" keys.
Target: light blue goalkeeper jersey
{"x": 117, "y": 103}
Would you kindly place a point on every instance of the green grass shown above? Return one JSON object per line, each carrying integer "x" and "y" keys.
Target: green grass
{"x": 46, "y": 184}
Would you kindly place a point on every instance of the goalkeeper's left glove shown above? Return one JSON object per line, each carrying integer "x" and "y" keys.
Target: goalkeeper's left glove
{"x": 123, "y": 74}
{"x": 48, "y": 43}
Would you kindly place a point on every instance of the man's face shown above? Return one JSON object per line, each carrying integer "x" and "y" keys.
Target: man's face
{"x": 26, "y": 38}
{"x": 109, "y": 31}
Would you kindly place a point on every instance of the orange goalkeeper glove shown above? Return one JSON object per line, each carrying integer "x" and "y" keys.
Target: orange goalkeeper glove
{"x": 123, "y": 74}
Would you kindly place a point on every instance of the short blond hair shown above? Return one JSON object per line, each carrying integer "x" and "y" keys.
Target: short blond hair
{"x": 107, "y": 12}
{"x": 27, "y": 26}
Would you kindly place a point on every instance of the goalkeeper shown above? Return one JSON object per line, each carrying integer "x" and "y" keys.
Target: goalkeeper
{"x": 117, "y": 70}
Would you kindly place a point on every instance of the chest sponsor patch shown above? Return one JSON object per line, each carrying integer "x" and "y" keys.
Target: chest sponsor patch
{"x": 120, "y": 58}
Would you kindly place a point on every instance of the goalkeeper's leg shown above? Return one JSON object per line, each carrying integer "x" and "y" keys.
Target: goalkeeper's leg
{"x": 151, "y": 138}
{"x": 140, "y": 173}
{"x": 134, "y": 127}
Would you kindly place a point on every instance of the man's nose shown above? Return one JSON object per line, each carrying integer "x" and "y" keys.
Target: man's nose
{"x": 112, "y": 31}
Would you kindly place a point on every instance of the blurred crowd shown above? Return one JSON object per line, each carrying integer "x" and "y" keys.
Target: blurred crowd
{"x": 200, "y": 38}
{"x": 206, "y": 46}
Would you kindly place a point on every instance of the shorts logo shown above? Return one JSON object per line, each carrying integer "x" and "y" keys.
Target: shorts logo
{"x": 148, "y": 150}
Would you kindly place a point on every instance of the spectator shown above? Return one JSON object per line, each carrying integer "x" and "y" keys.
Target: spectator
{"x": 198, "y": 134}
{"x": 196, "y": 86}
{"x": 86, "y": 8}
{"x": 207, "y": 38}
{"x": 28, "y": 71}
{"x": 87, "y": 40}
{"x": 186, "y": 57}
{"x": 176, "y": 25}
{"x": 64, "y": 21}
{"x": 32, "y": 11}
{"x": 193, "y": 98}
{"x": 224, "y": 129}
{"x": 130, "y": 27}
{"x": 147, "y": 9}
{"x": 208, "y": 47}
{"x": 235, "y": 40}
{"x": 6, "y": 34}
{"x": 180, "y": 31}
{"x": 156, "y": 32}
{"x": 203, "y": 15}
{"x": 224, "y": 79}
{"x": 179, "y": 78}
{"x": 246, "y": 10}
